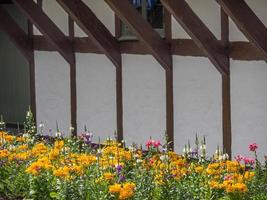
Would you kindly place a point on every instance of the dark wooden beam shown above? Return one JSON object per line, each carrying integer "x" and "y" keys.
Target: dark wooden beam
{"x": 45, "y": 25}
{"x": 180, "y": 47}
{"x": 226, "y": 89}
{"x": 32, "y": 72}
{"x": 198, "y": 31}
{"x": 119, "y": 103}
{"x": 94, "y": 28}
{"x": 73, "y": 87}
{"x": 143, "y": 31}
{"x": 247, "y": 21}
{"x": 16, "y": 34}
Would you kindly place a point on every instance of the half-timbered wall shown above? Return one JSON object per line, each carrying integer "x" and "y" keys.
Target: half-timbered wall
{"x": 197, "y": 87}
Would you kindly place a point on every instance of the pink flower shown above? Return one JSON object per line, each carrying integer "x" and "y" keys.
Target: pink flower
{"x": 239, "y": 158}
{"x": 157, "y": 144}
{"x": 149, "y": 143}
{"x": 248, "y": 160}
{"x": 253, "y": 147}
{"x": 153, "y": 143}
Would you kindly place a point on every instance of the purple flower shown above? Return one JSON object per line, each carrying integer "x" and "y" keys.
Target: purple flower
{"x": 121, "y": 178}
{"x": 118, "y": 169}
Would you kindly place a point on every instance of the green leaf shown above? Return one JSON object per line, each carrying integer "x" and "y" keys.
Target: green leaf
{"x": 54, "y": 195}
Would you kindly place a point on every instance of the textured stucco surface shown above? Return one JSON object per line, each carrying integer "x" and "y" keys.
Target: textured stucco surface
{"x": 197, "y": 88}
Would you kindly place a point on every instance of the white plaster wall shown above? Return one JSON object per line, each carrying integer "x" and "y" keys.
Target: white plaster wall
{"x": 96, "y": 95}
{"x": 143, "y": 98}
{"x": 57, "y": 14}
{"x": 208, "y": 11}
{"x": 52, "y": 91}
{"x": 249, "y": 106}
{"x": 197, "y": 102}
{"x": 103, "y": 13}
{"x": 197, "y": 88}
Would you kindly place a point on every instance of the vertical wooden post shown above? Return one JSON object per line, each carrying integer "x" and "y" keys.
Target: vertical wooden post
{"x": 169, "y": 82}
{"x": 169, "y": 105}
{"x": 226, "y": 89}
{"x": 73, "y": 87}
{"x": 32, "y": 72}
{"x": 119, "y": 102}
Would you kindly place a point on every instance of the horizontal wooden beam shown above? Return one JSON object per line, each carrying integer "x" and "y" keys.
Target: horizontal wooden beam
{"x": 247, "y": 21}
{"x": 180, "y": 47}
{"x": 47, "y": 27}
{"x": 143, "y": 31}
{"x": 199, "y": 32}
{"x": 94, "y": 28}
{"x": 16, "y": 34}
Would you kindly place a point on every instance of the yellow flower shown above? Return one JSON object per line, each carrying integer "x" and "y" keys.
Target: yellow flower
{"x": 85, "y": 159}
{"x": 4, "y": 153}
{"x": 241, "y": 187}
{"x": 59, "y": 144}
{"x": 249, "y": 175}
{"x": 199, "y": 169}
{"x": 39, "y": 149}
{"x": 62, "y": 172}
{"x": 108, "y": 176}
{"x": 116, "y": 188}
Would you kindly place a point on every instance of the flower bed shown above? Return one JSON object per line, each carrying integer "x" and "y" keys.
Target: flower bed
{"x": 74, "y": 168}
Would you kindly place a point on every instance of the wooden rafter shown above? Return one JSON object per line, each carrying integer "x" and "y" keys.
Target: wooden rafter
{"x": 199, "y": 32}
{"x": 94, "y": 28}
{"x": 143, "y": 31}
{"x": 51, "y": 32}
{"x": 16, "y": 34}
{"x": 247, "y": 21}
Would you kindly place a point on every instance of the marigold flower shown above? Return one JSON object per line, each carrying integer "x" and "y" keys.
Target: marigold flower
{"x": 115, "y": 188}
{"x": 108, "y": 176}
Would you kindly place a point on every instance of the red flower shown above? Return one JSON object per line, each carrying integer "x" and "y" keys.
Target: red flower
{"x": 253, "y": 147}
{"x": 249, "y": 161}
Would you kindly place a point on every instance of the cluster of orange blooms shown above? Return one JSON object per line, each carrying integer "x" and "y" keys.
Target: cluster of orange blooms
{"x": 65, "y": 164}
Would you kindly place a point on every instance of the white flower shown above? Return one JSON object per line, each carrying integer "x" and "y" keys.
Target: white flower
{"x": 139, "y": 160}
{"x": 132, "y": 148}
{"x": 41, "y": 125}
{"x": 58, "y": 134}
{"x": 71, "y": 129}
{"x": 164, "y": 158}
{"x": 26, "y": 135}
{"x": 203, "y": 147}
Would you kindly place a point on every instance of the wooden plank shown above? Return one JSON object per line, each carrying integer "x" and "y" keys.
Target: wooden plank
{"x": 32, "y": 72}
{"x": 73, "y": 87}
{"x": 143, "y": 31}
{"x": 45, "y": 25}
{"x": 119, "y": 103}
{"x": 180, "y": 47}
{"x": 198, "y": 31}
{"x": 247, "y": 21}
{"x": 169, "y": 106}
{"x": 226, "y": 90}
{"x": 16, "y": 34}
{"x": 94, "y": 28}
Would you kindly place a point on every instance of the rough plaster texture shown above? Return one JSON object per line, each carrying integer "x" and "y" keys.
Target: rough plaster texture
{"x": 52, "y": 91}
{"x": 197, "y": 88}
{"x": 143, "y": 98}
{"x": 197, "y": 102}
{"x": 249, "y": 105}
{"x": 96, "y": 95}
